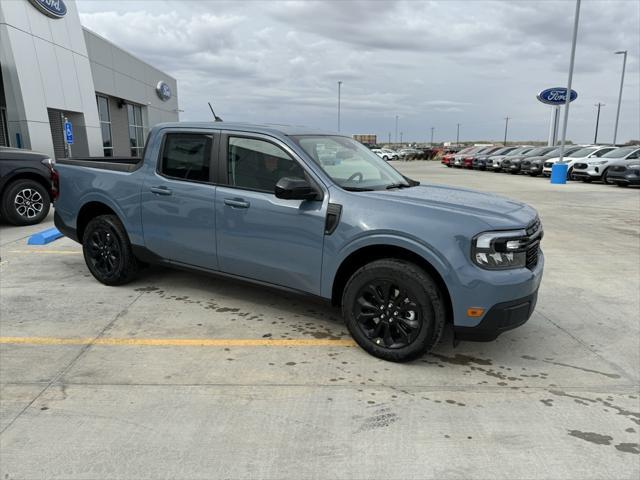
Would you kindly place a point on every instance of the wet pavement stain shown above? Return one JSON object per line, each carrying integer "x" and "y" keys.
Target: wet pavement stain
{"x": 547, "y": 401}
{"x": 628, "y": 448}
{"x": 633, "y": 416}
{"x": 146, "y": 289}
{"x": 592, "y": 437}
{"x": 560, "y": 364}
{"x": 461, "y": 359}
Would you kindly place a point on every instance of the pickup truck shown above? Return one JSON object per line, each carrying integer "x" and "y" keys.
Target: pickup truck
{"x": 315, "y": 213}
{"x": 26, "y": 188}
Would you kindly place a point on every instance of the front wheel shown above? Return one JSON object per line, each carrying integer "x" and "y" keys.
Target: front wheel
{"x": 107, "y": 251}
{"x": 394, "y": 310}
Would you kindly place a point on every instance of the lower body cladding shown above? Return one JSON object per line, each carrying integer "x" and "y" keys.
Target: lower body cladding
{"x": 533, "y": 170}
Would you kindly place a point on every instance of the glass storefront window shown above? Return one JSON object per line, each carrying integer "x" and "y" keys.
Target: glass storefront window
{"x": 136, "y": 129}
{"x": 105, "y": 125}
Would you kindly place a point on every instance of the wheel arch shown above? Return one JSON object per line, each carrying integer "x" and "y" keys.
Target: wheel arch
{"x": 370, "y": 253}
{"x": 28, "y": 175}
{"x": 89, "y": 211}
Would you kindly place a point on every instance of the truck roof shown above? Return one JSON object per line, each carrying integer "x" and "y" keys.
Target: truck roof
{"x": 267, "y": 128}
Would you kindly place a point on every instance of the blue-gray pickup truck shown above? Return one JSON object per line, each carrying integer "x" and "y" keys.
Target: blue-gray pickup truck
{"x": 316, "y": 213}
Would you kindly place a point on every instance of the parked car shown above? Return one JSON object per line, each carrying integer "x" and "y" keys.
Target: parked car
{"x": 494, "y": 162}
{"x": 467, "y": 160}
{"x": 448, "y": 157}
{"x": 513, "y": 164}
{"x": 592, "y": 151}
{"x": 410, "y": 154}
{"x": 263, "y": 207}
{"x": 381, "y": 154}
{"x": 600, "y": 168}
{"x": 626, "y": 173}
{"x": 393, "y": 155}
{"x": 26, "y": 189}
{"x": 533, "y": 165}
{"x": 480, "y": 161}
{"x": 457, "y": 158}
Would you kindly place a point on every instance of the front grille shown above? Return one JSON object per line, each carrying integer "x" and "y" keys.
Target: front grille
{"x": 548, "y": 164}
{"x": 580, "y": 166}
{"x": 532, "y": 255}
{"x": 533, "y": 249}
{"x": 526, "y": 163}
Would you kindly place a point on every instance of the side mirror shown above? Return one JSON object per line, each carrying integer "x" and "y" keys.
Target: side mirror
{"x": 291, "y": 188}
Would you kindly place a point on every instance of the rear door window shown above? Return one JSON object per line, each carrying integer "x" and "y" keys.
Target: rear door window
{"x": 187, "y": 156}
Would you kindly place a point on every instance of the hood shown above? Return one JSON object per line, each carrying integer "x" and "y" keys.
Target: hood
{"x": 494, "y": 210}
{"x": 539, "y": 158}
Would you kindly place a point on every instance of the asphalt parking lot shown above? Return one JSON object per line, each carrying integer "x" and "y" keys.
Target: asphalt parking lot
{"x": 180, "y": 375}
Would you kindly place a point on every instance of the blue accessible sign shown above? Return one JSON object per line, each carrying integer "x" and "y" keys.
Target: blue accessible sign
{"x": 68, "y": 132}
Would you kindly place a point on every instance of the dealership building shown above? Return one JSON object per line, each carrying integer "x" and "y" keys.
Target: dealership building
{"x": 53, "y": 70}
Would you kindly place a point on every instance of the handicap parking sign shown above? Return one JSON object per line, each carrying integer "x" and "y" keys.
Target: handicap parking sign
{"x": 68, "y": 132}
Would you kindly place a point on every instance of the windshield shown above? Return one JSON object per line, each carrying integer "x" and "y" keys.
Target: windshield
{"x": 619, "y": 152}
{"x": 351, "y": 165}
{"x": 535, "y": 152}
{"x": 518, "y": 151}
{"x": 583, "y": 152}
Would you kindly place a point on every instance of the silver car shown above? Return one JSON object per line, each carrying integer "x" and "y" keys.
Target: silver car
{"x": 598, "y": 168}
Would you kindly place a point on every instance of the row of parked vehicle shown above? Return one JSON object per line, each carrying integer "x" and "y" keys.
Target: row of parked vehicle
{"x": 606, "y": 163}
{"x": 388, "y": 154}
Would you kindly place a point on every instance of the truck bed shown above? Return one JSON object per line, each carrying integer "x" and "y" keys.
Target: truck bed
{"x": 120, "y": 164}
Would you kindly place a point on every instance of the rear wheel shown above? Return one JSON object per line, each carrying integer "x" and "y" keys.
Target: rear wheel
{"x": 605, "y": 177}
{"x": 107, "y": 251}
{"x": 25, "y": 202}
{"x": 394, "y": 310}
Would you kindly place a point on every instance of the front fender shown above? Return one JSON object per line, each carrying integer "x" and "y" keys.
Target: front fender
{"x": 334, "y": 256}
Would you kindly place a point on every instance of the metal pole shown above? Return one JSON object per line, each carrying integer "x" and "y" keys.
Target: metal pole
{"x": 400, "y": 137}
{"x": 624, "y": 64}
{"x": 595, "y": 138}
{"x": 432, "y": 129}
{"x": 339, "y": 88}
{"x": 506, "y": 126}
{"x": 396, "y": 128}
{"x": 389, "y": 138}
{"x": 568, "y": 94}
{"x": 458, "y": 136}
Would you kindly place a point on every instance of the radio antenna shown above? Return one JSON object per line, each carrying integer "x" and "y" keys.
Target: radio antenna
{"x": 215, "y": 117}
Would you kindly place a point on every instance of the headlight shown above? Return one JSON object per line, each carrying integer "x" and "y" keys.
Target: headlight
{"x": 500, "y": 250}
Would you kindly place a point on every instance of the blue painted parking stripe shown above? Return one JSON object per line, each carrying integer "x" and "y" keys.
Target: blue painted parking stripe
{"x": 44, "y": 237}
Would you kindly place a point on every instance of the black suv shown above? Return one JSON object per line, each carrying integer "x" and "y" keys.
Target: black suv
{"x": 26, "y": 186}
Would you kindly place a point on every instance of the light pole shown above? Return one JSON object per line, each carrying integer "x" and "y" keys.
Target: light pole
{"x": 396, "y": 129}
{"x": 339, "y": 89}
{"x": 624, "y": 64}
{"x": 458, "y": 136}
{"x": 506, "y": 126}
{"x": 389, "y": 138}
{"x": 568, "y": 94}
{"x": 401, "y": 137}
{"x": 432, "y": 129}
{"x": 595, "y": 138}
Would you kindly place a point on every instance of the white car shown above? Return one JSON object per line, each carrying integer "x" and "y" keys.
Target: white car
{"x": 598, "y": 169}
{"x": 386, "y": 154}
{"x": 593, "y": 151}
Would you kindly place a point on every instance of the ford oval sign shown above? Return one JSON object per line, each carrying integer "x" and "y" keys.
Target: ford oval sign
{"x": 51, "y": 8}
{"x": 556, "y": 96}
{"x": 164, "y": 91}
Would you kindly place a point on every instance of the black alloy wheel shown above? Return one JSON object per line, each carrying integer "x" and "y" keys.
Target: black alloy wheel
{"x": 387, "y": 314}
{"x": 104, "y": 252}
{"x": 108, "y": 252}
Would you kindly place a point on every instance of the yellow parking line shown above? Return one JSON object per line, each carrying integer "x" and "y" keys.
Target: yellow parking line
{"x": 183, "y": 342}
{"x": 50, "y": 252}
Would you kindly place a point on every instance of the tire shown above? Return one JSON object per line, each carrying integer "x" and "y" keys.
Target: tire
{"x": 385, "y": 158}
{"x": 25, "y": 202}
{"x": 107, "y": 251}
{"x": 605, "y": 177}
{"x": 570, "y": 174}
{"x": 407, "y": 295}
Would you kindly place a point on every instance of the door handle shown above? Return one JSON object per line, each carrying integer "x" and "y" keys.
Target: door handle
{"x": 236, "y": 203}
{"x": 161, "y": 190}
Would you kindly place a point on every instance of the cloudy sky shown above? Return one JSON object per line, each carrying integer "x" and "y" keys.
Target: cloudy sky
{"x": 432, "y": 63}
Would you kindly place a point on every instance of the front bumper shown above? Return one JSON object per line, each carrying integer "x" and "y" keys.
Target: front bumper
{"x": 593, "y": 172}
{"x": 628, "y": 177}
{"x": 500, "y": 318}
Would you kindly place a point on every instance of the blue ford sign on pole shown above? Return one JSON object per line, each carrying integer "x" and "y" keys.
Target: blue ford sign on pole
{"x": 68, "y": 134}
{"x": 556, "y": 96}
